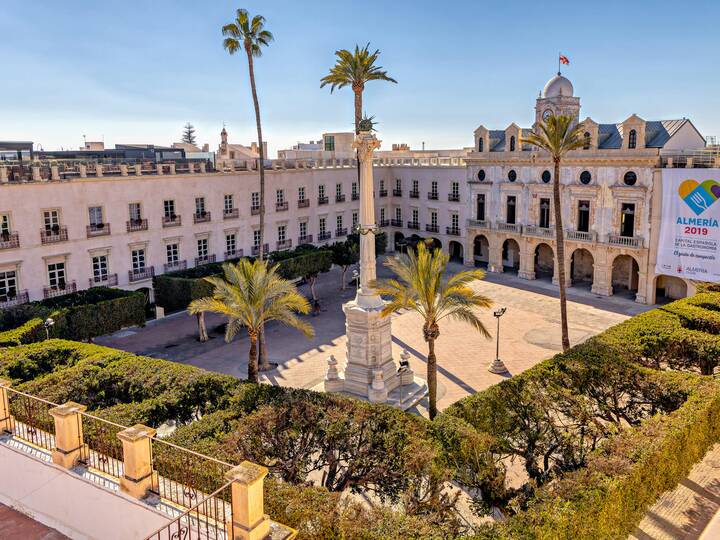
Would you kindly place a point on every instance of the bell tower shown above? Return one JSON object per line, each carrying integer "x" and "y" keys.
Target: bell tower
{"x": 557, "y": 98}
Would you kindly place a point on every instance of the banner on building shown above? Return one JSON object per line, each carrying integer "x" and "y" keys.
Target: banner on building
{"x": 689, "y": 245}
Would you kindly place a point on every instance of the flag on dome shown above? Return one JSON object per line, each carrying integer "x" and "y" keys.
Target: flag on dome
{"x": 564, "y": 59}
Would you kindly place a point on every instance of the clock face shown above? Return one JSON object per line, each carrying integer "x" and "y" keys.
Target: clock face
{"x": 547, "y": 114}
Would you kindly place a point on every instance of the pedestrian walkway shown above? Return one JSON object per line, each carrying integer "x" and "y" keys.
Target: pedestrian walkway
{"x": 17, "y": 526}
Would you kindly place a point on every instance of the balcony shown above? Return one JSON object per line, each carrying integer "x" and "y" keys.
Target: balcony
{"x": 234, "y": 254}
{"x": 383, "y": 192}
{"x": 339, "y": 198}
{"x": 174, "y": 265}
{"x": 207, "y": 259}
{"x": 432, "y": 228}
{"x": 396, "y": 222}
{"x": 201, "y": 217}
{"x": 171, "y": 221}
{"x": 478, "y": 223}
{"x": 54, "y": 235}
{"x": 581, "y": 236}
{"x": 60, "y": 290}
{"x": 322, "y": 200}
{"x": 384, "y": 223}
{"x": 432, "y": 196}
{"x": 106, "y": 280}
{"x": 281, "y": 206}
{"x": 231, "y": 213}
{"x": 355, "y": 197}
{"x": 452, "y": 231}
{"x": 303, "y": 203}
{"x": 543, "y": 232}
{"x": 255, "y": 210}
{"x": 135, "y": 225}
{"x": 453, "y": 197}
{"x": 340, "y": 232}
{"x": 397, "y": 192}
{"x": 140, "y": 274}
{"x": 256, "y": 250}
{"x": 307, "y": 239}
{"x": 324, "y": 236}
{"x": 283, "y": 244}
{"x": 625, "y": 241}
{"x": 413, "y": 225}
{"x": 14, "y": 298}
{"x": 508, "y": 227}
{"x": 98, "y": 229}
{"x": 414, "y": 194}
{"x": 9, "y": 240}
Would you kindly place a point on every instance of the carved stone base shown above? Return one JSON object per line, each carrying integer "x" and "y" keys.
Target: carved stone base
{"x": 526, "y": 275}
{"x": 496, "y": 268}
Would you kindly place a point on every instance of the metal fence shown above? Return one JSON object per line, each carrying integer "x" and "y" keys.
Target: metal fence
{"x": 102, "y": 449}
{"x": 31, "y": 421}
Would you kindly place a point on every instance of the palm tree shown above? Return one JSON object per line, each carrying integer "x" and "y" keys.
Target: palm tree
{"x": 355, "y": 69}
{"x": 251, "y": 294}
{"x": 420, "y": 286}
{"x": 250, "y": 35}
{"x": 558, "y": 135}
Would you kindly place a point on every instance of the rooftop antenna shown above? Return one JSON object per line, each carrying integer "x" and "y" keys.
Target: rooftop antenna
{"x": 423, "y": 144}
{"x": 84, "y": 141}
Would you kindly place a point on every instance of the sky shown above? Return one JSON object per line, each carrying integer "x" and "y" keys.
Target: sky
{"x": 136, "y": 72}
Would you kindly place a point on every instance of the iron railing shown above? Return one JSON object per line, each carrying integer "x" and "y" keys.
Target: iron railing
{"x": 138, "y": 274}
{"x": 30, "y": 419}
{"x": 175, "y": 265}
{"x": 171, "y": 221}
{"x": 97, "y": 229}
{"x": 9, "y": 240}
{"x": 53, "y": 235}
{"x": 202, "y": 217}
{"x": 136, "y": 225}
{"x": 14, "y": 298}
{"x": 281, "y": 206}
{"x": 231, "y": 213}
{"x": 60, "y": 290}
{"x": 102, "y": 449}
{"x": 307, "y": 239}
{"x": 303, "y": 203}
{"x": 106, "y": 280}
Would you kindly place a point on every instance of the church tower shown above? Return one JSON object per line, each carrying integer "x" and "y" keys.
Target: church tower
{"x": 557, "y": 98}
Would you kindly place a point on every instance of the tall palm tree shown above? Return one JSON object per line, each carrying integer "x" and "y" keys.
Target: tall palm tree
{"x": 558, "y": 135}
{"x": 249, "y": 34}
{"x": 251, "y": 294}
{"x": 421, "y": 286}
{"x": 355, "y": 69}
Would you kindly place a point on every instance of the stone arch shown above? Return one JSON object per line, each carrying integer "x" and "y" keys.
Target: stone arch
{"x": 399, "y": 242}
{"x": 625, "y": 275}
{"x": 456, "y": 251}
{"x": 433, "y": 243}
{"x": 669, "y": 288}
{"x": 582, "y": 267}
{"x": 544, "y": 261}
{"x": 481, "y": 250}
{"x": 511, "y": 256}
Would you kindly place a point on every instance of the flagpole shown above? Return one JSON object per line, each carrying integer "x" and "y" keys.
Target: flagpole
{"x": 559, "y": 53}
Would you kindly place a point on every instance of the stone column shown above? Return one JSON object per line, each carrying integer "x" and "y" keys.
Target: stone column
{"x": 123, "y": 169}
{"x": 202, "y": 166}
{"x": 172, "y": 168}
{"x": 527, "y": 260}
{"x": 495, "y": 262}
{"x": 54, "y": 172}
{"x": 249, "y": 521}
{"x": 68, "y": 434}
{"x": 137, "y": 460}
{"x": 138, "y": 169}
{"x": 602, "y": 278}
{"x": 5, "y": 418}
{"x": 640, "y": 296}
{"x": 556, "y": 271}
{"x": 83, "y": 170}
{"x": 99, "y": 170}
{"x": 191, "y": 167}
{"x": 159, "y": 169}
{"x": 35, "y": 173}
{"x": 3, "y": 175}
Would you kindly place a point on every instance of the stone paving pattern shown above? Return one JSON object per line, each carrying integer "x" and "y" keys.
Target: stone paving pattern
{"x": 17, "y": 526}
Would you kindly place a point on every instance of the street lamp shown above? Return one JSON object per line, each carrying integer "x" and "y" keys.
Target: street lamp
{"x": 48, "y": 324}
{"x": 497, "y": 365}
{"x": 402, "y": 370}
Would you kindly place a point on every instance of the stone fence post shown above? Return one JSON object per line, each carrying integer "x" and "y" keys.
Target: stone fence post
{"x": 68, "y": 434}
{"x": 137, "y": 460}
{"x": 249, "y": 521}
{"x": 5, "y": 418}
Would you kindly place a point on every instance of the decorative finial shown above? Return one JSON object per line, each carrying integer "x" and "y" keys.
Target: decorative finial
{"x": 367, "y": 124}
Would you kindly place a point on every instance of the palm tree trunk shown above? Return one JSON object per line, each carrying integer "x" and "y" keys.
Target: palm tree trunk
{"x": 432, "y": 379}
{"x": 202, "y": 330}
{"x": 358, "y": 115}
{"x": 253, "y": 359}
{"x": 312, "y": 287}
{"x": 264, "y": 362}
{"x": 560, "y": 241}
{"x": 342, "y": 278}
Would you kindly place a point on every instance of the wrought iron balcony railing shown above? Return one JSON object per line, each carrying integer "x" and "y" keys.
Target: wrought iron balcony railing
{"x": 104, "y": 280}
{"x": 231, "y": 213}
{"x": 414, "y": 194}
{"x": 303, "y": 203}
{"x": 432, "y": 196}
{"x": 174, "y": 265}
{"x": 202, "y": 217}
{"x": 281, "y": 206}
{"x": 453, "y": 231}
{"x": 136, "y": 225}
{"x": 14, "y": 298}
{"x": 9, "y": 240}
{"x": 139, "y": 274}
{"x": 60, "y": 289}
{"x": 323, "y": 200}
{"x": 307, "y": 239}
{"x": 413, "y": 225}
{"x": 432, "y": 228}
{"x": 207, "y": 259}
{"x": 340, "y": 198}
{"x": 172, "y": 220}
{"x": 396, "y": 222}
{"x": 453, "y": 197}
{"x": 98, "y": 229}
{"x": 53, "y": 235}
{"x": 324, "y": 236}
{"x": 397, "y": 192}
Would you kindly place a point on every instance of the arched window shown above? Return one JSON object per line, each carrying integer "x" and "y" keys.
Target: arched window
{"x": 632, "y": 139}
{"x": 512, "y": 175}
{"x": 546, "y": 176}
{"x": 586, "y": 141}
{"x": 585, "y": 177}
{"x": 512, "y": 143}
{"x": 630, "y": 178}
{"x": 481, "y": 144}
{"x": 481, "y": 174}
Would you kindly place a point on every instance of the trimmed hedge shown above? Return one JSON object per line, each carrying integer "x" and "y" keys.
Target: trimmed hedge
{"x": 78, "y": 316}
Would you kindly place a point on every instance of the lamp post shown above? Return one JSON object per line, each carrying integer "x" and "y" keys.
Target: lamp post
{"x": 497, "y": 365}
{"x": 48, "y": 324}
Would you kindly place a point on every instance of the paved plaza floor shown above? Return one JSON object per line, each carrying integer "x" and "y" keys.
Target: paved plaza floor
{"x": 529, "y": 333}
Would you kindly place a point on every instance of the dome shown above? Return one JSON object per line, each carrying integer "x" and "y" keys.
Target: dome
{"x": 558, "y": 86}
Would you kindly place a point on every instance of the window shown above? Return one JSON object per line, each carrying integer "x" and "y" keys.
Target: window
{"x": 256, "y": 238}
{"x": 586, "y": 141}
{"x": 415, "y": 215}
{"x": 585, "y": 177}
{"x": 5, "y": 224}
{"x": 433, "y": 219}
{"x": 303, "y": 229}
{"x": 382, "y": 185}
{"x": 481, "y": 145}
{"x": 281, "y": 233}
{"x": 627, "y": 220}
{"x": 169, "y": 209}
{"x": 353, "y": 189}
{"x": 512, "y": 175}
{"x": 255, "y": 199}
{"x": 398, "y": 184}
{"x": 455, "y": 190}
{"x": 584, "y": 216}
{"x": 228, "y": 204}
{"x": 434, "y": 188}
{"x": 338, "y": 191}
{"x": 454, "y": 221}
{"x": 632, "y": 139}
{"x": 329, "y": 143}
{"x": 321, "y": 191}
{"x": 322, "y": 226}
{"x": 544, "y": 213}
{"x": 510, "y": 209}
{"x": 415, "y": 186}
{"x": 199, "y": 206}
{"x": 480, "y": 210}
{"x": 355, "y": 219}
{"x": 398, "y": 214}
{"x": 279, "y": 196}
{"x": 100, "y": 268}
{"x": 512, "y": 143}
{"x": 135, "y": 211}
{"x": 339, "y": 221}
{"x": 382, "y": 214}
{"x": 230, "y": 243}
{"x": 138, "y": 260}
{"x": 481, "y": 175}
{"x": 51, "y": 220}
{"x": 301, "y": 193}
{"x": 95, "y": 214}
{"x": 173, "y": 253}
{"x": 630, "y": 178}
{"x": 546, "y": 176}
{"x": 202, "y": 248}
{"x": 8, "y": 285}
{"x": 56, "y": 275}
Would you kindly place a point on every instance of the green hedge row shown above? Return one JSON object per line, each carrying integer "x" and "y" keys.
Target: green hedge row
{"x": 78, "y": 316}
